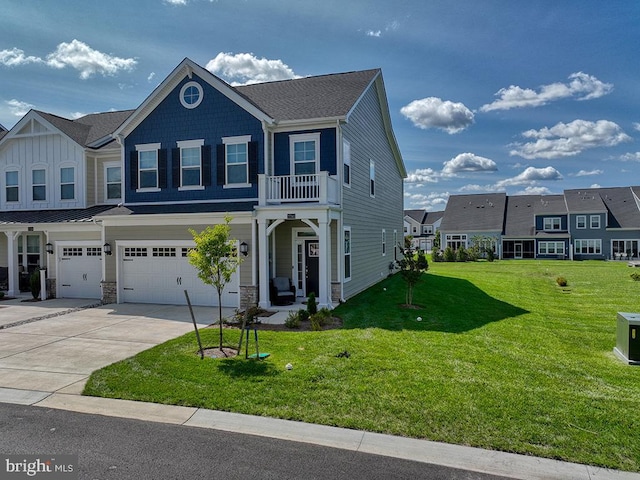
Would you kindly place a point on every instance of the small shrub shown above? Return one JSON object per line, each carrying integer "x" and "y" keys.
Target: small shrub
{"x": 461, "y": 254}
{"x": 635, "y": 276}
{"x": 312, "y": 304}
{"x": 437, "y": 256}
{"x": 303, "y": 315}
{"x": 34, "y": 283}
{"x": 293, "y": 320}
{"x": 320, "y": 319}
{"x": 449, "y": 255}
{"x": 561, "y": 281}
{"x": 491, "y": 255}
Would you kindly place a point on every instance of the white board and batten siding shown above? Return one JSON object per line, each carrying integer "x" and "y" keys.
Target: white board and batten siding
{"x": 159, "y": 272}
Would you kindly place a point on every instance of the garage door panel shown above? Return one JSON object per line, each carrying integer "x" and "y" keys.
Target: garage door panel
{"x": 161, "y": 274}
{"x": 80, "y": 272}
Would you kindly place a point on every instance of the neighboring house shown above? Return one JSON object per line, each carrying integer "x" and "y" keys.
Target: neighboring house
{"x": 56, "y": 175}
{"x": 598, "y": 223}
{"x": 295, "y": 163}
{"x": 421, "y": 226}
{"x": 3, "y": 131}
{"x": 469, "y": 216}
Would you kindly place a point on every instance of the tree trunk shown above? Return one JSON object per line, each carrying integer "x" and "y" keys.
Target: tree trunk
{"x": 220, "y": 320}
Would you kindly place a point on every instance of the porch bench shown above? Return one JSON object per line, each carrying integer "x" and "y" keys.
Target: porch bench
{"x": 282, "y": 292}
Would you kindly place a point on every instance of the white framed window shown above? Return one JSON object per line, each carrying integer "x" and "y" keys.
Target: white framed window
{"x": 305, "y": 153}
{"x": 148, "y": 167}
{"x": 592, "y": 246}
{"x": 455, "y": 241}
{"x": 384, "y": 242}
{"x": 39, "y": 185}
{"x": 236, "y": 161}
{"x": 551, "y": 248}
{"x": 581, "y": 222}
{"x": 191, "y": 95}
{"x": 552, "y": 223}
{"x": 372, "y": 178}
{"x": 190, "y": 164}
{"x": 12, "y": 188}
{"x": 347, "y": 253}
{"x": 594, "y": 221}
{"x": 112, "y": 182}
{"x": 67, "y": 183}
{"x": 346, "y": 163}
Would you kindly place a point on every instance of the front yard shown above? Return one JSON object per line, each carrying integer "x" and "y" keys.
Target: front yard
{"x": 503, "y": 358}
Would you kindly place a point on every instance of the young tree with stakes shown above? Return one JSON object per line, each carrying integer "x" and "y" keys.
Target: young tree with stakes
{"x": 215, "y": 256}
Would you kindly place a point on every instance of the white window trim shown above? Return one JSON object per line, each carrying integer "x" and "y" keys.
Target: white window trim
{"x": 555, "y": 243}
{"x": 348, "y": 279}
{"x": 346, "y": 160}
{"x": 105, "y": 167}
{"x": 46, "y": 189}
{"x": 75, "y": 183}
{"x": 17, "y": 185}
{"x": 372, "y": 178}
{"x": 584, "y": 220}
{"x": 191, "y": 106}
{"x": 591, "y": 223}
{"x": 149, "y": 147}
{"x": 597, "y": 245}
{"x": 190, "y": 144}
{"x": 304, "y": 137}
{"x": 551, "y": 219}
{"x": 235, "y": 141}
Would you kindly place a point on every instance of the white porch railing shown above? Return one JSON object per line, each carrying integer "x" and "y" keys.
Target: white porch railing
{"x": 319, "y": 188}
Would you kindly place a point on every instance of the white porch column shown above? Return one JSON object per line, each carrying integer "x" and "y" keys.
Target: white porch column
{"x": 324, "y": 264}
{"x": 263, "y": 264}
{"x": 12, "y": 264}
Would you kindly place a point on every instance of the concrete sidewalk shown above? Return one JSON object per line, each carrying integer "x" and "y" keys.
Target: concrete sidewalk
{"x": 46, "y": 363}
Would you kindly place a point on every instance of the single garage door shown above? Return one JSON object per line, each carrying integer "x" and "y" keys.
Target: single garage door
{"x": 80, "y": 272}
{"x": 161, "y": 274}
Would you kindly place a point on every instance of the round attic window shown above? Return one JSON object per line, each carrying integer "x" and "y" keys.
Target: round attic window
{"x": 191, "y": 95}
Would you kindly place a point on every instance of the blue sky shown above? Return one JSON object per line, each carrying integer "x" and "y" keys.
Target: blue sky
{"x": 522, "y": 97}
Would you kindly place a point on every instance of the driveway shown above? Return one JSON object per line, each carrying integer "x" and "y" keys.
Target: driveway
{"x": 53, "y": 346}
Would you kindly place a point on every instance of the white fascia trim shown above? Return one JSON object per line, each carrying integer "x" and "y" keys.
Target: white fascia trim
{"x": 188, "y": 143}
{"x": 145, "y": 147}
{"x": 31, "y": 114}
{"x": 307, "y": 124}
{"x": 175, "y": 219}
{"x": 235, "y": 140}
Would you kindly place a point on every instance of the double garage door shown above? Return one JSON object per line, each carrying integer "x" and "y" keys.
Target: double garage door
{"x": 161, "y": 274}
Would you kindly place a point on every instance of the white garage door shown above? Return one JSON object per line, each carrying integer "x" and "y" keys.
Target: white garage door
{"x": 79, "y": 272}
{"x": 161, "y": 274}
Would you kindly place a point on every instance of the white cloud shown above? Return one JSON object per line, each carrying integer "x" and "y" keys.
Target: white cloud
{"x": 433, "y": 112}
{"x": 580, "y": 86}
{"x": 374, "y": 33}
{"x": 76, "y": 55}
{"x": 468, "y": 162}
{"x": 475, "y": 188}
{"x": 631, "y": 157}
{"x": 636, "y": 126}
{"x": 534, "y": 191}
{"x": 587, "y": 173}
{"x": 432, "y": 201}
{"x": 531, "y": 175}
{"x": 595, "y": 185}
{"x": 150, "y": 77}
{"x": 245, "y": 68}
{"x": 176, "y": 2}
{"x": 16, "y": 57}
{"x": 569, "y": 139}
{"x": 18, "y": 108}
{"x": 427, "y": 175}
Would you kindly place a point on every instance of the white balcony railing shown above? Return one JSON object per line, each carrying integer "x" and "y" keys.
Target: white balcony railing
{"x": 319, "y": 188}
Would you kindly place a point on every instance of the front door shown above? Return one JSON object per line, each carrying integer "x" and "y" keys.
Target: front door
{"x": 517, "y": 250}
{"x": 311, "y": 257}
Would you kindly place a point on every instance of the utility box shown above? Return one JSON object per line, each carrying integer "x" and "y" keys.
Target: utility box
{"x": 628, "y": 338}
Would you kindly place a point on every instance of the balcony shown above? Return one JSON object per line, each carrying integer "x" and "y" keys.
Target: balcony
{"x": 318, "y": 188}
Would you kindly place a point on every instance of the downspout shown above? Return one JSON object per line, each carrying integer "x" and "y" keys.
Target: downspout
{"x": 340, "y": 232}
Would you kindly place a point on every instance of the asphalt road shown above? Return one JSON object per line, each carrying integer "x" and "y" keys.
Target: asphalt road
{"x": 116, "y": 448}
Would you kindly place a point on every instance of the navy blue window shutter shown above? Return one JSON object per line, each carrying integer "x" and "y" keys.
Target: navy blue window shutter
{"x": 253, "y": 162}
{"x": 220, "y": 163}
{"x": 206, "y": 165}
{"x": 175, "y": 166}
{"x": 162, "y": 168}
{"x": 133, "y": 169}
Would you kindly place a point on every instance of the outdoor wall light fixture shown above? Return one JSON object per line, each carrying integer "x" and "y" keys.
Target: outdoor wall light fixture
{"x": 106, "y": 248}
{"x": 49, "y": 248}
{"x": 244, "y": 249}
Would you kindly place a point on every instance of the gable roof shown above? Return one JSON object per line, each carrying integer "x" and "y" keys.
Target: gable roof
{"x": 432, "y": 217}
{"x": 584, "y": 201}
{"x": 474, "y": 213}
{"x": 416, "y": 215}
{"x": 90, "y": 131}
{"x": 550, "y": 205}
{"x": 319, "y": 97}
{"x": 520, "y": 216}
{"x": 622, "y": 206}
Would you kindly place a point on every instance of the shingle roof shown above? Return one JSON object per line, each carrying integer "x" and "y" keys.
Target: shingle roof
{"x": 479, "y": 213}
{"x": 52, "y": 216}
{"x": 623, "y": 209}
{"x": 550, "y": 205}
{"x": 432, "y": 217}
{"x": 90, "y": 128}
{"x": 584, "y": 201}
{"x": 176, "y": 208}
{"x": 520, "y": 217}
{"x": 417, "y": 215}
{"x": 323, "y": 96}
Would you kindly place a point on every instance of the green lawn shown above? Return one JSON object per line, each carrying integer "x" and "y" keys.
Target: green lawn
{"x": 503, "y": 359}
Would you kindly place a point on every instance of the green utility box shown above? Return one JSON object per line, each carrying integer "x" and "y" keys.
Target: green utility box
{"x": 628, "y": 338}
